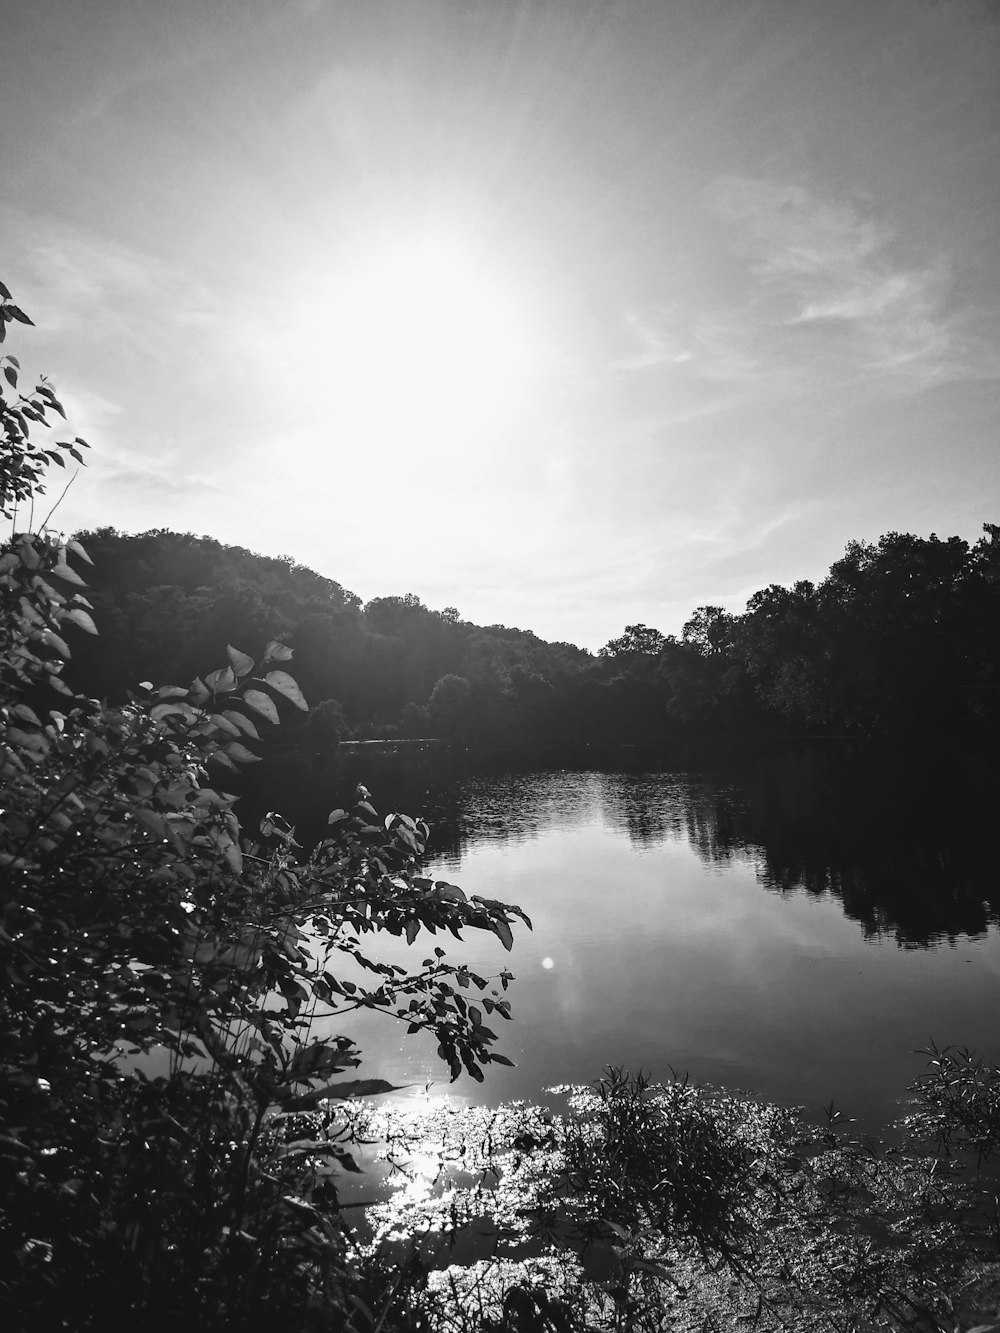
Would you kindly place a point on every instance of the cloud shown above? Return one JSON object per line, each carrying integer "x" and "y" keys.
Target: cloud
{"x": 791, "y": 232}
{"x": 88, "y": 413}
{"x": 819, "y": 264}
{"x": 824, "y": 296}
{"x": 82, "y": 281}
{"x": 650, "y": 344}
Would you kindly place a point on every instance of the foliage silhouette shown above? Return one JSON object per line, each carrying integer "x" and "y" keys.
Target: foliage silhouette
{"x": 646, "y": 1206}
{"x": 162, "y": 974}
{"x": 900, "y": 638}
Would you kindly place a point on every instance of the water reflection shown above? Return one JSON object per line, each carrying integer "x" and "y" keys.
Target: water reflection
{"x": 696, "y": 807}
{"x": 512, "y": 808}
{"x": 908, "y": 852}
{"x": 906, "y": 845}
{"x": 743, "y": 927}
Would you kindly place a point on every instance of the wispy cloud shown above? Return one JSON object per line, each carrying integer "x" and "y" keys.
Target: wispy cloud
{"x": 81, "y": 281}
{"x": 89, "y": 414}
{"x": 650, "y": 343}
{"x": 820, "y": 264}
{"x": 789, "y": 231}
{"x": 823, "y": 295}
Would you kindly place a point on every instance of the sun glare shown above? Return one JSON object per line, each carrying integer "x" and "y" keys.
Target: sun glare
{"x": 420, "y": 342}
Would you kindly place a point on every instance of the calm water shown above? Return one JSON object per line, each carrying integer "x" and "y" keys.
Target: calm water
{"x": 788, "y": 930}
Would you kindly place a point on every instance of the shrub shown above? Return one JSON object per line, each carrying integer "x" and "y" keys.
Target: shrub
{"x": 159, "y": 1156}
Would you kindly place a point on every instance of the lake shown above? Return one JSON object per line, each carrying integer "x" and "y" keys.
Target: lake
{"x": 795, "y": 927}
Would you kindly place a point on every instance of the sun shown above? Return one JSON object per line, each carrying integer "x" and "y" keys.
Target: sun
{"x": 427, "y": 315}
{"x": 420, "y": 340}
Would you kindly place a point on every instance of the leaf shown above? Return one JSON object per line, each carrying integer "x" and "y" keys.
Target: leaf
{"x": 362, "y": 1087}
{"x": 311, "y": 1148}
{"x": 277, "y": 652}
{"x": 29, "y": 556}
{"x": 198, "y": 692}
{"x": 319, "y": 1058}
{"x": 29, "y": 612}
{"x": 151, "y": 822}
{"x": 30, "y": 740}
{"x": 244, "y": 723}
{"x": 54, "y": 641}
{"x": 406, "y": 838}
{"x": 221, "y": 681}
{"x": 503, "y": 934}
{"x": 81, "y": 618}
{"x": 261, "y": 703}
{"x": 180, "y": 830}
{"x": 411, "y": 930}
{"x": 223, "y": 724}
{"x": 240, "y": 662}
{"x": 336, "y": 816}
{"x": 14, "y": 312}
{"x": 46, "y": 591}
{"x": 68, "y": 574}
{"x": 449, "y": 893}
{"x": 285, "y": 685}
{"x": 166, "y": 691}
{"x": 240, "y": 753}
{"x": 173, "y": 709}
{"x": 496, "y": 906}
{"x": 224, "y": 843}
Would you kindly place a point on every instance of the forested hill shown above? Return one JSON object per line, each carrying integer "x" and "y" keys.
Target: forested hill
{"x": 902, "y": 638}
{"x": 168, "y": 603}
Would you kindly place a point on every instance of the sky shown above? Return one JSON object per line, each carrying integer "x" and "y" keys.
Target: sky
{"x": 571, "y": 314}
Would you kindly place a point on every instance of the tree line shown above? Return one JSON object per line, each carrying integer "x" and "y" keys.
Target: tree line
{"x": 902, "y": 637}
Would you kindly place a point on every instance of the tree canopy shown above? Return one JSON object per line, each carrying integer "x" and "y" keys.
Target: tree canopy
{"x": 900, "y": 637}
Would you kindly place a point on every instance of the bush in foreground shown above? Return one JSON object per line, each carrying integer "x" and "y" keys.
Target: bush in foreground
{"x": 162, "y": 976}
{"x": 650, "y": 1207}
